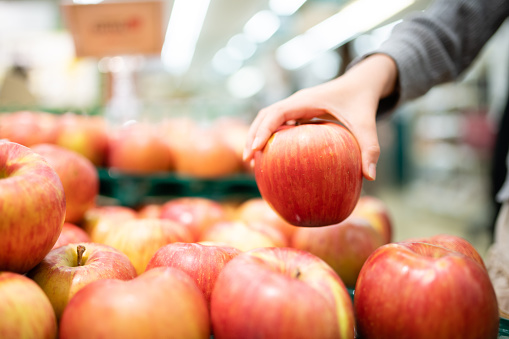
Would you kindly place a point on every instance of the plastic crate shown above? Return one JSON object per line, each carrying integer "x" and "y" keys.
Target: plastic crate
{"x": 134, "y": 190}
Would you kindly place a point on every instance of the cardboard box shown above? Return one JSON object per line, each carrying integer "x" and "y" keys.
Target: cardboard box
{"x": 115, "y": 27}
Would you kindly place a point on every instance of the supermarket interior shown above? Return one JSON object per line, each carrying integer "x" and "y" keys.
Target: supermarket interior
{"x": 203, "y": 169}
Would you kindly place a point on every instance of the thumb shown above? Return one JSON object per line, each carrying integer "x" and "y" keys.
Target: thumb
{"x": 367, "y": 139}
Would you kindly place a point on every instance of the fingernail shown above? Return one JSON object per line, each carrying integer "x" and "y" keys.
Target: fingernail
{"x": 252, "y": 163}
{"x": 256, "y": 143}
{"x": 372, "y": 171}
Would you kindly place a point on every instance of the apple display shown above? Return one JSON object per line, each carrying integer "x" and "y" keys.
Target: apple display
{"x": 377, "y": 212}
{"x": 310, "y": 174}
{"x": 418, "y": 290}
{"x": 280, "y": 293}
{"x": 454, "y": 243}
{"x": 244, "y": 236}
{"x": 28, "y": 127}
{"x": 25, "y": 309}
{"x": 67, "y": 269}
{"x": 257, "y": 209}
{"x": 98, "y": 220}
{"x": 234, "y": 133}
{"x": 140, "y": 239}
{"x": 32, "y": 207}
{"x": 78, "y": 176}
{"x": 138, "y": 149}
{"x": 344, "y": 246}
{"x": 202, "y": 262}
{"x": 163, "y": 302}
{"x": 86, "y": 135}
{"x": 195, "y": 213}
{"x": 71, "y": 233}
{"x": 205, "y": 155}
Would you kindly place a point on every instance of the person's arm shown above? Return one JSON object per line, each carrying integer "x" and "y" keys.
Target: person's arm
{"x": 352, "y": 99}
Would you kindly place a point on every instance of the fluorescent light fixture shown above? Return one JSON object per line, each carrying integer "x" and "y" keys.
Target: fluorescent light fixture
{"x": 262, "y": 26}
{"x": 224, "y": 63}
{"x": 353, "y": 20}
{"x": 246, "y": 82}
{"x": 184, "y": 28}
{"x": 285, "y": 7}
{"x": 240, "y": 46}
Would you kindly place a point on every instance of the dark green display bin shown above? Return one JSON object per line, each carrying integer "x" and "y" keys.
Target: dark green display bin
{"x": 503, "y": 330}
{"x": 134, "y": 190}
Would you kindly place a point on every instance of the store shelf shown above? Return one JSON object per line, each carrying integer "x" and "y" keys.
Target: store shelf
{"x": 134, "y": 190}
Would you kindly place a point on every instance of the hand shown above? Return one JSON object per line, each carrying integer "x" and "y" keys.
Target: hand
{"x": 352, "y": 99}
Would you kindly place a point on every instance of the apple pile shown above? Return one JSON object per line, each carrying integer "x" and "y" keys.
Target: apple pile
{"x": 179, "y": 145}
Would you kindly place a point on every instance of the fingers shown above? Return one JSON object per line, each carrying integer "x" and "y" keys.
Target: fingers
{"x": 366, "y": 136}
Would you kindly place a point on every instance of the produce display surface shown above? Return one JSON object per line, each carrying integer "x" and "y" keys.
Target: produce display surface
{"x": 132, "y": 190}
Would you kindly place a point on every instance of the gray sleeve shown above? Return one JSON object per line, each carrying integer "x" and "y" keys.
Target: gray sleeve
{"x": 438, "y": 44}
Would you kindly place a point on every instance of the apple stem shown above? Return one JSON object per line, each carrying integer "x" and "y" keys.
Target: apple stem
{"x": 297, "y": 273}
{"x": 80, "y": 250}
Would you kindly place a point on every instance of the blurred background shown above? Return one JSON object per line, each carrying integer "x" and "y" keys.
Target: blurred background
{"x": 204, "y": 59}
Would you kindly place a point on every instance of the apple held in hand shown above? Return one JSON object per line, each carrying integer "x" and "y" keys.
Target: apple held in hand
{"x": 202, "y": 262}
{"x": 418, "y": 290}
{"x": 32, "y": 207}
{"x": 67, "y": 269}
{"x": 310, "y": 174}
{"x": 79, "y": 178}
{"x": 25, "y": 309}
{"x": 161, "y": 303}
{"x": 71, "y": 234}
{"x": 140, "y": 239}
{"x": 280, "y": 293}
{"x": 377, "y": 212}
{"x": 344, "y": 246}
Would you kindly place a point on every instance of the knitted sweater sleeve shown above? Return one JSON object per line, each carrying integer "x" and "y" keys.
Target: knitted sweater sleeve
{"x": 438, "y": 44}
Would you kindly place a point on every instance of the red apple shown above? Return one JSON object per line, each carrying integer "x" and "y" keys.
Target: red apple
{"x": 244, "y": 236}
{"x": 454, "y": 243}
{"x": 25, "y": 309}
{"x": 29, "y": 128}
{"x": 257, "y": 209}
{"x": 310, "y": 174}
{"x": 86, "y": 135}
{"x": 377, "y": 212}
{"x": 344, "y": 246}
{"x": 139, "y": 149}
{"x": 32, "y": 207}
{"x": 418, "y": 290}
{"x": 195, "y": 213}
{"x": 280, "y": 293}
{"x": 161, "y": 303}
{"x": 150, "y": 211}
{"x": 71, "y": 234}
{"x": 67, "y": 269}
{"x": 202, "y": 262}
{"x": 78, "y": 175}
{"x": 205, "y": 155}
{"x": 99, "y": 219}
{"x": 140, "y": 239}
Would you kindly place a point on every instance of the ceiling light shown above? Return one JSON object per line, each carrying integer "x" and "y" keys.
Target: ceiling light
{"x": 353, "y": 20}
{"x": 285, "y": 7}
{"x": 184, "y": 28}
{"x": 262, "y": 26}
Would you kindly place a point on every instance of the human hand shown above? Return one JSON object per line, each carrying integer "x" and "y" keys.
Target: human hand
{"x": 352, "y": 99}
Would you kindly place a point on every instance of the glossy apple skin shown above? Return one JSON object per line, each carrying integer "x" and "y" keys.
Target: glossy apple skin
{"x": 418, "y": 290}
{"x": 245, "y": 236}
{"x": 454, "y": 243}
{"x": 60, "y": 277}
{"x": 25, "y": 309}
{"x": 280, "y": 293}
{"x": 344, "y": 246}
{"x": 78, "y": 176}
{"x": 195, "y": 213}
{"x": 377, "y": 212}
{"x": 71, "y": 234}
{"x": 140, "y": 239}
{"x": 32, "y": 207}
{"x": 163, "y": 302}
{"x": 310, "y": 174}
{"x": 202, "y": 262}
